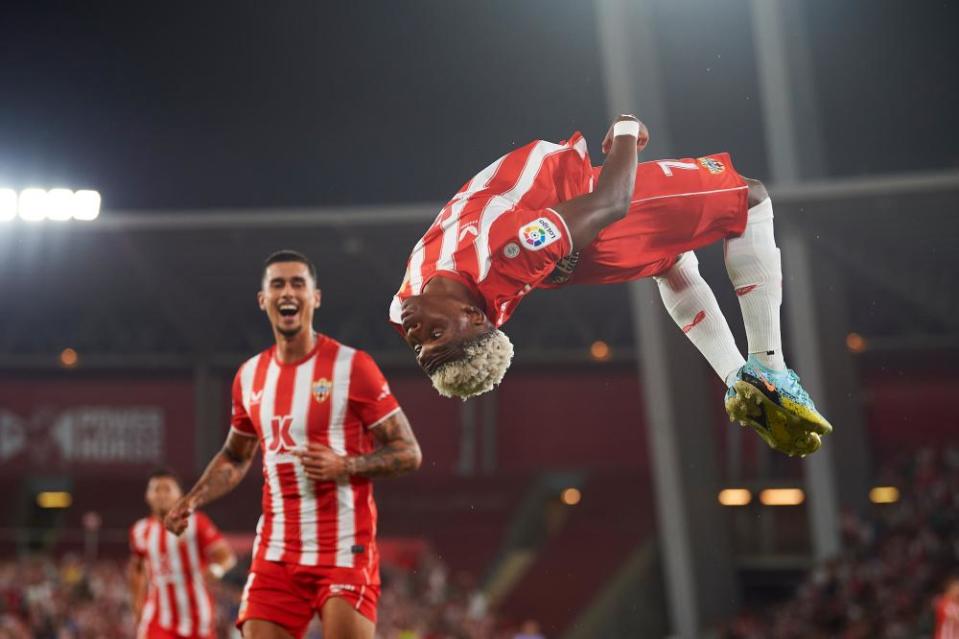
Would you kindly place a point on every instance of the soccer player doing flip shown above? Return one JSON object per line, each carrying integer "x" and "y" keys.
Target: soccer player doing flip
{"x": 542, "y": 216}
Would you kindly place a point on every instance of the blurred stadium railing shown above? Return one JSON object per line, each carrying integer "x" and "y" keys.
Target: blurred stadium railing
{"x": 160, "y": 309}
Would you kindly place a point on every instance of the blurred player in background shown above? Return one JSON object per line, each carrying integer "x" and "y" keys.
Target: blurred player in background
{"x": 327, "y": 423}
{"x": 168, "y": 573}
{"x": 947, "y": 611}
{"x": 542, "y": 216}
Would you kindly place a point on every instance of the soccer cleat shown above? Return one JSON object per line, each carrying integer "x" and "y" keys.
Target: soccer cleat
{"x": 776, "y": 406}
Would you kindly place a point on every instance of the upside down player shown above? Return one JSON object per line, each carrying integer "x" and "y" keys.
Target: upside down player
{"x": 318, "y": 409}
{"x": 542, "y": 217}
{"x": 168, "y": 574}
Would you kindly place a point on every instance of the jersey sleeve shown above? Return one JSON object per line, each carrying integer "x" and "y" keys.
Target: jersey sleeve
{"x": 370, "y": 394}
{"x": 240, "y": 421}
{"x": 137, "y": 541}
{"x": 207, "y": 533}
{"x": 526, "y": 244}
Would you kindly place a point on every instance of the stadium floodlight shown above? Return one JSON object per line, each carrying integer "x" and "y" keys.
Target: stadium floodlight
{"x": 60, "y": 204}
{"x": 8, "y": 205}
{"x": 86, "y": 205}
{"x": 33, "y": 205}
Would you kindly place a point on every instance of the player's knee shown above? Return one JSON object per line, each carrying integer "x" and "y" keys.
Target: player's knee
{"x": 683, "y": 274}
{"x": 757, "y": 192}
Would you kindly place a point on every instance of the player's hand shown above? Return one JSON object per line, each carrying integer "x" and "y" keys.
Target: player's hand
{"x": 179, "y": 516}
{"x": 321, "y": 463}
{"x": 641, "y": 141}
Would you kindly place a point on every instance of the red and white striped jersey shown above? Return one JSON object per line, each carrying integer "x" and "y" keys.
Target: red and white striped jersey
{"x": 947, "y": 618}
{"x": 334, "y": 396}
{"x": 498, "y": 235}
{"x": 177, "y": 597}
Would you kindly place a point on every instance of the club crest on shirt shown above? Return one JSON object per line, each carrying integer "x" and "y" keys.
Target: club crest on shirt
{"x": 538, "y": 234}
{"x": 712, "y": 165}
{"x": 321, "y": 389}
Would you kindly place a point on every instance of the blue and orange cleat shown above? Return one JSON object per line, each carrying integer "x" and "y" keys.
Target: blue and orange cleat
{"x": 777, "y": 407}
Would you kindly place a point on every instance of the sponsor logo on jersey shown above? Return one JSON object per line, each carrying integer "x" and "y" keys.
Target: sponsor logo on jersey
{"x": 321, "y": 389}
{"x": 384, "y": 392}
{"x": 538, "y": 234}
{"x": 281, "y": 440}
{"x": 511, "y": 250}
{"x": 256, "y": 396}
{"x": 712, "y": 165}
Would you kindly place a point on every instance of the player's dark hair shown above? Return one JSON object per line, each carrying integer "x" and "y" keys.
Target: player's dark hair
{"x": 289, "y": 255}
{"x": 164, "y": 473}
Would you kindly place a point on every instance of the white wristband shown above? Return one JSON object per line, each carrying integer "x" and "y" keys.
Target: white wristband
{"x": 626, "y": 127}
{"x": 217, "y": 570}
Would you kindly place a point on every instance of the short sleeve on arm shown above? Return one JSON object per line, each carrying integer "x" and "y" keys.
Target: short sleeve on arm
{"x": 526, "y": 244}
{"x": 240, "y": 421}
{"x": 370, "y": 394}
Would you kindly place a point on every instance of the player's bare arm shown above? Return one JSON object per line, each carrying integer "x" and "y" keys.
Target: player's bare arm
{"x": 224, "y": 472}
{"x": 589, "y": 214}
{"x": 398, "y": 453}
{"x": 137, "y": 578}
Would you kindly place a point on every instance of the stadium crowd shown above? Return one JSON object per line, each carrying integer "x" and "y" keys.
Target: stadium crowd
{"x": 44, "y": 598}
{"x": 894, "y": 565}
{"x": 882, "y": 586}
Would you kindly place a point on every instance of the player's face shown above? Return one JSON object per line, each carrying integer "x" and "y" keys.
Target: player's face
{"x": 162, "y": 493}
{"x": 435, "y": 327}
{"x": 289, "y": 296}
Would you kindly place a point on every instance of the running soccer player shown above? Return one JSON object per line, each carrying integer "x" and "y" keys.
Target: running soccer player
{"x": 168, "y": 573}
{"x": 542, "y": 216}
{"x": 327, "y": 423}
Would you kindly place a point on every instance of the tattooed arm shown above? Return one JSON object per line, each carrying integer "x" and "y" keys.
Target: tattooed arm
{"x": 224, "y": 472}
{"x": 398, "y": 453}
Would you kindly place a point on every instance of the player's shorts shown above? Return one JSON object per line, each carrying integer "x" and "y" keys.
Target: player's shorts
{"x": 154, "y": 631}
{"x": 678, "y": 206}
{"x": 289, "y": 594}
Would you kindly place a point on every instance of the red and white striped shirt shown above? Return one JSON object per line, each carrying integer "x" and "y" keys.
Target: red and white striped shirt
{"x": 333, "y": 396}
{"x": 947, "y": 618}
{"x": 498, "y": 235}
{"x": 177, "y": 597}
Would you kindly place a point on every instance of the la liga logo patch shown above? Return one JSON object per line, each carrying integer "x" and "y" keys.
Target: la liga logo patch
{"x": 538, "y": 234}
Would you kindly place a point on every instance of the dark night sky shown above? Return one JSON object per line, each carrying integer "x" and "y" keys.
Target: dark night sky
{"x": 172, "y": 105}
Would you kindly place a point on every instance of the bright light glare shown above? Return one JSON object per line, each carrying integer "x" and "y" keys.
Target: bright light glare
{"x": 54, "y": 499}
{"x": 735, "y": 497}
{"x": 571, "y": 496}
{"x": 60, "y": 204}
{"x": 782, "y": 496}
{"x": 8, "y": 205}
{"x": 86, "y": 205}
{"x": 33, "y": 204}
{"x": 884, "y": 495}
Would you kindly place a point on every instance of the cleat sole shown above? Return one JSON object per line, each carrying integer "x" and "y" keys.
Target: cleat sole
{"x": 783, "y": 431}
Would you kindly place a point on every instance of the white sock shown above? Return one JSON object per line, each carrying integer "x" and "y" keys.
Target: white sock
{"x": 755, "y": 269}
{"x": 693, "y": 307}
